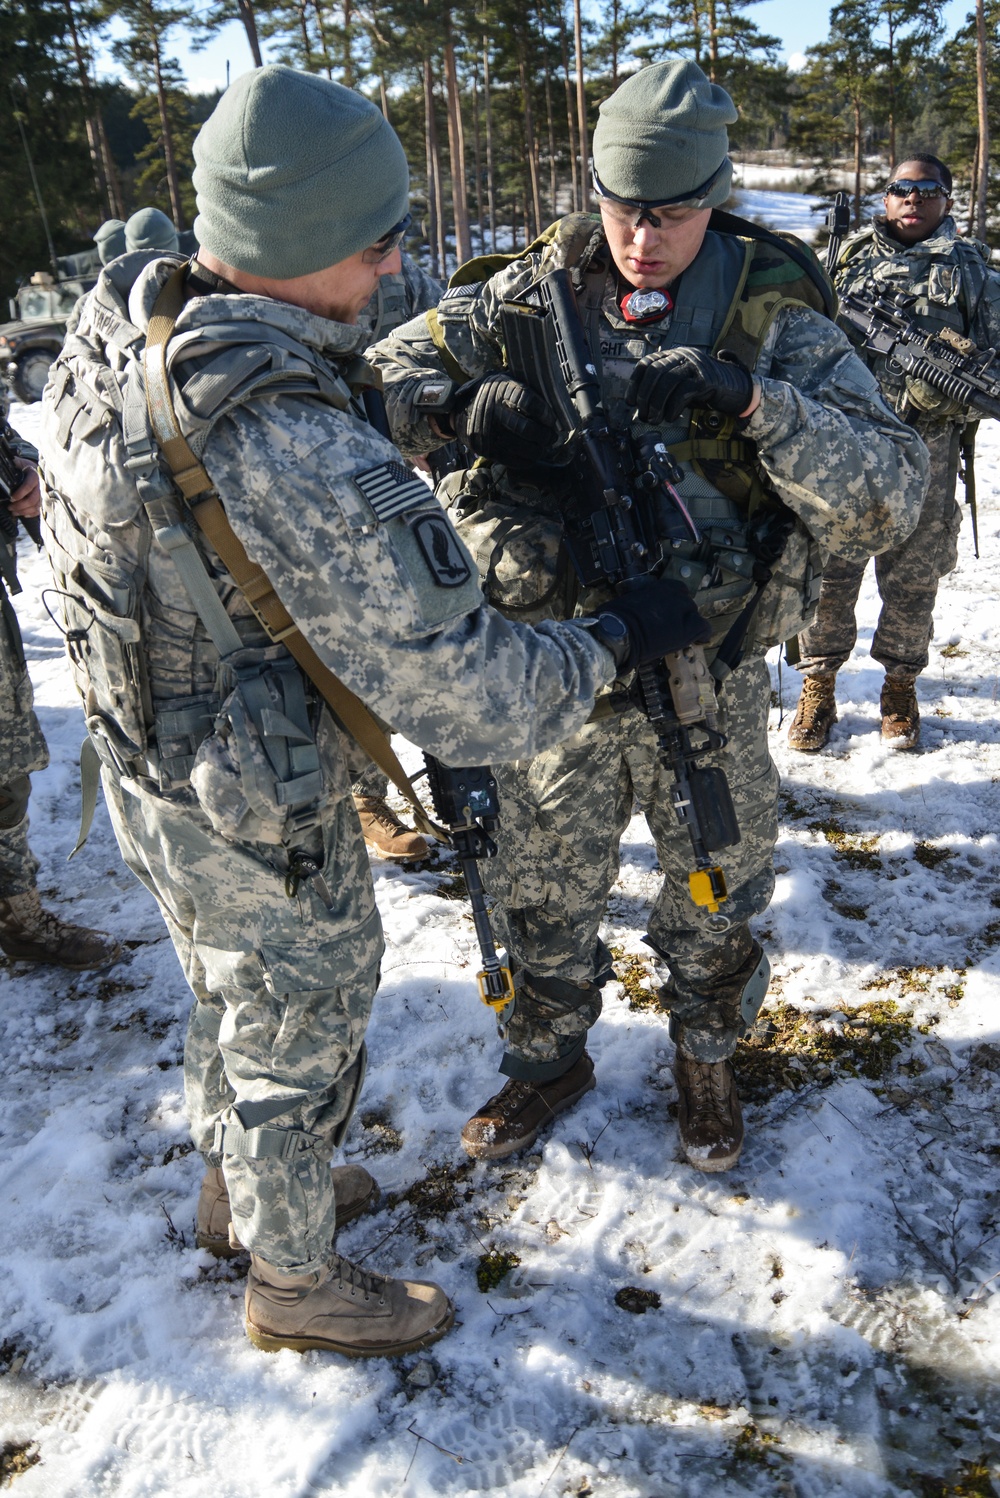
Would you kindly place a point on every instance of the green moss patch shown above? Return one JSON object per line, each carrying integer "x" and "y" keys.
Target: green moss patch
{"x": 792, "y": 1048}
{"x": 631, "y": 1298}
{"x": 633, "y": 972}
{"x": 852, "y": 848}
{"x": 494, "y": 1266}
{"x": 17, "y": 1457}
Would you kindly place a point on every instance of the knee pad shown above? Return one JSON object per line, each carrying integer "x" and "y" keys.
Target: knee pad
{"x": 14, "y": 802}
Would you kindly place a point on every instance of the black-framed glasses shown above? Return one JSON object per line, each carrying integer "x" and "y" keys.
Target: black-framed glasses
{"x": 907, "y": 187}
{"x": 645, "y": 209}
{"x": 384, "y": 247}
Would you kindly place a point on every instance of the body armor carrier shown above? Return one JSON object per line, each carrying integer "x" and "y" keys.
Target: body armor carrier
{"x": 180, "y": 683}
{"x": 729, "y": 298}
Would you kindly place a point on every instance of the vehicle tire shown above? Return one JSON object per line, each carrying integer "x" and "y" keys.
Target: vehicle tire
{"x": 32, "y": 372}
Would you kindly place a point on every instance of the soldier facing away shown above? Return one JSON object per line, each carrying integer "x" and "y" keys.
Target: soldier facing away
{"x": 913, "y": 249}
{"x": 28, "y": 932}
{"x": 662, "y": 293}
{"x": 226, "y": 776}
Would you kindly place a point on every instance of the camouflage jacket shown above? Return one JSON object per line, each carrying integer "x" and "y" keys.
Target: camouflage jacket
{"x": 952, "y": 282}
{"x": 355, "y": 545}
{"x": 822, "y": 437}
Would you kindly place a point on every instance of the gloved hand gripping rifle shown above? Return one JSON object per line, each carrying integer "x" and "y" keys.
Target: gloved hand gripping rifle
{"x": 616, "y": 527}
{"x": 11, "y": 479}
{"x": 946, "y": 361}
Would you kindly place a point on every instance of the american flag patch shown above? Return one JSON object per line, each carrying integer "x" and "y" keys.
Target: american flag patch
{"x": 454, "y": 292}
{"x": 392, "y": 488}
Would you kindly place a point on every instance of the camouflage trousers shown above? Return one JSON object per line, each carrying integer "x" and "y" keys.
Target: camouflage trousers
{"x": 562, "y": 818}
{"x": 907, "y": 576}
{"x": 283, "y": 988}
{"x": 22, "y": 749}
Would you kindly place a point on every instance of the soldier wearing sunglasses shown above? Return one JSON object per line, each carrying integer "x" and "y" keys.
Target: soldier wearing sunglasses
{"x": 912, "y": 248}
{"x": 712, "y": 335}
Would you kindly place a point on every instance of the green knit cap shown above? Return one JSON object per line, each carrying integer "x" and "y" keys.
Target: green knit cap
{"x": 110, "y": 240}
{"x": 150, "y": 229}
{"x": 663, "y": 134}
{"x": 293, "y": 173}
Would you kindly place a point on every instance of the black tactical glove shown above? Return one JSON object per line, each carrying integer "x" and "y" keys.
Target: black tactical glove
{"x": 505, "y": 421}
{"x": 651, "y": 620}
{"x": 665, "y": 384}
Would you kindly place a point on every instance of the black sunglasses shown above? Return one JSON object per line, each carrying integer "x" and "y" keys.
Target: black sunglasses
{"x": 383, "y": 248}
{"x": 906, "y": 187}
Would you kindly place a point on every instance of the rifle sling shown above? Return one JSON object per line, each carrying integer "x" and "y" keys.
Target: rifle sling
{"x": 193, "y": 480}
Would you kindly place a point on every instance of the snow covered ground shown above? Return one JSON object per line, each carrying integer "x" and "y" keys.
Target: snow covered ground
{"x": 825, "y": 1319}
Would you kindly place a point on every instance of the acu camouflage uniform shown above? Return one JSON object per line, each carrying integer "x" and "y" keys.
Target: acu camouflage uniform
{"x": 954, "y": 289}
{"x": 227, "y": 783}
{"x": 398, "y": 297}
{"x": 22, "y": 746}
{"x": 824, "y": 441}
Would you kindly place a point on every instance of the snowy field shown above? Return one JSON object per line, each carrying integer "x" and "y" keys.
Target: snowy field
{"x": 791, "y": 212}
{"x": 825, "y": 1318}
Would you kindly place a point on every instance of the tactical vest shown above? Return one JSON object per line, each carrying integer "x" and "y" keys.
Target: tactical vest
{"x": 728, "y": 298}
{"x": 161, "y": 703}
{"x": 948, "y": 286}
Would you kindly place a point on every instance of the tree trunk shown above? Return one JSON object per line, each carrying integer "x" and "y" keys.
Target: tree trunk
{"x": 531, "y": 149}
{"x": 456, "y": 149}
{"x": 477, "y": 141}
{"x": 490, "y": 164}
{"x": 615, "y": 11}
{"x": 551, "y": 124}
{"x": 110, "y": 172}
{"x": 93, "y": 138}
{"x": 430, "y": 148}
{"x": 383, "y": 96}
{"x": 245, "y": 8}
{"x": 970, "y": 224}
{"x": 581, "y": 107}
{"x": 892, "y": 86}
{"x": 713, "y": 41}
{"x": 348, "y": 34}
{"x": 173, "y": 180}
{"x": 982, "y": 100}
{"x": 318, "y": 8}
{"x": 857, "y": 163}
{"x": 570, "y": 121}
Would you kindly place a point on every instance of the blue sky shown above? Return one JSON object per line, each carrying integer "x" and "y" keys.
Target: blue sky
{"x": 799, "y": 23}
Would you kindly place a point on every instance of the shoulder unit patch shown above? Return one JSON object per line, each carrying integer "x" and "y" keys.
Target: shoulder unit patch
{"x": 442, "y": 550}
{"x": 391, "y": 489}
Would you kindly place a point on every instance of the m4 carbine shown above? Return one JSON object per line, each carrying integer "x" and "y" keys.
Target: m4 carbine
{"x": 621, "y": 521}
{"x": 946, "y": 361}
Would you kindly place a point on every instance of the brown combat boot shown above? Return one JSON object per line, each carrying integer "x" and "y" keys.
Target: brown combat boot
{"x": 354, "y": 1188}
{"x": 708, "y": 1115}
{"x": 343, "y": 1308}
{"x": 387, "y": 834}
{"x": 514, "y": 1117}
{"x": 900, "y": 713}
{"x": 815, "y": 715}
{"x": 30, "y": 933}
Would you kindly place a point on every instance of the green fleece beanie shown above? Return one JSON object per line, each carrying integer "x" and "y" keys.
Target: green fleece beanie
{"x": 150, "y": 229}
{"x": 293, "y": 173}
{"x": 663, "y": 133}
{"x": 110, "y": 240}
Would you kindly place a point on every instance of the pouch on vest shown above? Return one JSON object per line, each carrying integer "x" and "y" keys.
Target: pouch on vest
{"x": 257, "y": 775}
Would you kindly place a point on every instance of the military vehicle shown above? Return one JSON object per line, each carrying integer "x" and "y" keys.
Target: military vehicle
{"x": 30, "y": 342}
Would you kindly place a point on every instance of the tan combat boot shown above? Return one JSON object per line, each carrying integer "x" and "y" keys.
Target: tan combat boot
{"x": 815, "y": 715}
{"x": 900, "y": 713}
{"x": 354, "y": 1189}
{"x": 515, "y": 1116}
{"x": 387, "y": 834}
{"x": 343, "y": 1308}
{"x": 708, "y": 1115}
{"x": 30, "y": 933}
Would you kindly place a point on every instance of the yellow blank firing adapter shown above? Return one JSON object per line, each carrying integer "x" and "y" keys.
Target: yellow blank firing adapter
{"x": 496, "y": 988}
{"x": 708, "y": 888}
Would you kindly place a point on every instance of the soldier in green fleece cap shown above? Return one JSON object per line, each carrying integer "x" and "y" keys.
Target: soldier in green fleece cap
{"x": 227, "y": 779}
{"x": 717, "y": 337}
